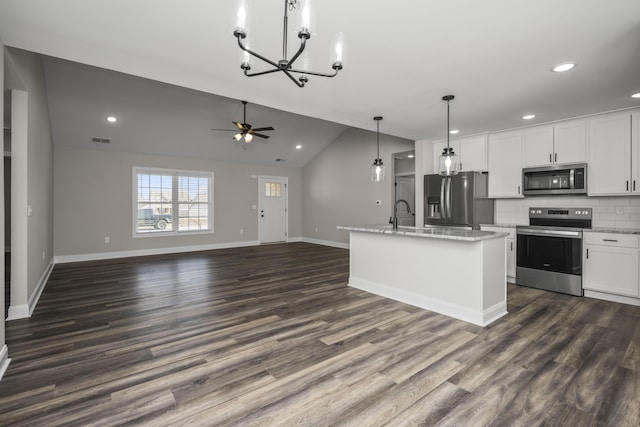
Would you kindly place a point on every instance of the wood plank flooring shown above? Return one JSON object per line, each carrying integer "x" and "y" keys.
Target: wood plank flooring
{"x": 272, "y": 335}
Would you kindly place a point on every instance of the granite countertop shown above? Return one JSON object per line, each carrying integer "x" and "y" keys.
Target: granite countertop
{"x": 500, "y": 225}
{"x": 613, "y": 230}
{"x": 430, "y": 233}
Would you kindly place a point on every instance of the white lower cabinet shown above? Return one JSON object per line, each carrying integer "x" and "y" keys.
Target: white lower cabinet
{"x": 511, "y": 248}
{"x": 610, "y": 263}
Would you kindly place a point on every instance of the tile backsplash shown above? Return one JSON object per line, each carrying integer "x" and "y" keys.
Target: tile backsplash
{"x": 615, "y": 212}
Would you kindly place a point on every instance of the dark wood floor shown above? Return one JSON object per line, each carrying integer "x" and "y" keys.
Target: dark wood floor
{"x": 272, "y": 335}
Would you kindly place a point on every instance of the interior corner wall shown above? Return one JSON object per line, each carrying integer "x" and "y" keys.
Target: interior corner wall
{"x": 2, "y": 237}
{"x": 337, "y": 189}
{"x": 38, "y": 256}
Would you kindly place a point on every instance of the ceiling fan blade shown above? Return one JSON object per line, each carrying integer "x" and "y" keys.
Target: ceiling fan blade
{"x": 261, "y": 129}
{"x": 226, "y": 130}
{"x": 239, "y": 125}
{"x": 259, "y": 135}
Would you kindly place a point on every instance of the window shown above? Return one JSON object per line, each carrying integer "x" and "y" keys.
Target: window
{"x": 272, "y": 189}
{"x": 171, "y": 201}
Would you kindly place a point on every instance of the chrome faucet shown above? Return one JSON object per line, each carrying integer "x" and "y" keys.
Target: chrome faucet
{"x": 394, "y": 219}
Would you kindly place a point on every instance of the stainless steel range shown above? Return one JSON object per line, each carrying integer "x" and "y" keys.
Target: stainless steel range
{"x": 550, "y": 249}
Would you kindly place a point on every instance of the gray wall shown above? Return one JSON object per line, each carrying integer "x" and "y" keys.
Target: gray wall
{"x": 337, "y": 189}
{"x": 93, "y": 199}
{"x": 39, "y": 186}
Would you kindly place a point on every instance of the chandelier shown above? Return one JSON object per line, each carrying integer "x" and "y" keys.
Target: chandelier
{"x": 286, "y": 64}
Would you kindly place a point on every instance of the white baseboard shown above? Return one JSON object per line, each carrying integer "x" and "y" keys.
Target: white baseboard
{"x": 326, "y": 243}
{"x": 477, "y": 317}
{"x": 612, "y": 297}
{"x": 24, "y": 311}
{"x": 63, "y": 259}
{"x": 4, "y": 360}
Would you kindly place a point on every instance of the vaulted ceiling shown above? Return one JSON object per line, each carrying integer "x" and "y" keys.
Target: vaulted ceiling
{"x": 495, "y": 56}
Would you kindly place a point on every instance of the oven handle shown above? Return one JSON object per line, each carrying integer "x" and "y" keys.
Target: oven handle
{"x": 558, "y": 233}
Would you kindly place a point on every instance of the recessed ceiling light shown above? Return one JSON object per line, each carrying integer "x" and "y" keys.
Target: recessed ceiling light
{"x": 454, "y": 131}
{"x": 636, "y": 95}
{"x": 528, "y": 116}
{"x": 411, "y": 156}
{"x": 299, "y": 146}
{"x": 112, "y": 119}
{"x": 566, "y": 66}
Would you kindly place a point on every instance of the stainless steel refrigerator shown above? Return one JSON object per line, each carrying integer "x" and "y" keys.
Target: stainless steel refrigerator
{"x": 457, "y": 201}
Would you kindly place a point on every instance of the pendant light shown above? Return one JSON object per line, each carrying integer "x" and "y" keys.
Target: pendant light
{"x": 377, "y": 168}
{"x": 448, "y": 159}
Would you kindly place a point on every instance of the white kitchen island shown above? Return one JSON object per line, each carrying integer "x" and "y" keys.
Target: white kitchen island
{"x": 458, "y": 273}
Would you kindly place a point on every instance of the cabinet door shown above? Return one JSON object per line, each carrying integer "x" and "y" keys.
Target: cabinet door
{"x": 538, "y": 146}
{"x": 473, "y": 153}
{"x": 610, "y": 155}
{"x": 438, "y": 147}
{"x": 635, "y": 152}
{"x": 570, "y": 142}
{"x": 611, "y": 269}
{"x": 511, "y": 258}
{"x": 505, "y": 165}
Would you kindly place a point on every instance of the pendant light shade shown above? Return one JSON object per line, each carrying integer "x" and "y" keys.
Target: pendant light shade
{"x": 377, "y": 168}
{"x": 448, "y": 159}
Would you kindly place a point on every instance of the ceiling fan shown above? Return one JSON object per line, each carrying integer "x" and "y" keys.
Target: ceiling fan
{"x": 245, "y": 130}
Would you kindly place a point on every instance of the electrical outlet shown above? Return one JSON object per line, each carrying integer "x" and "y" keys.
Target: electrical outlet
{"x": 43, "y": 255}
{"x": 619, "y": 210}
{"x": 107, "y": 239}
{"x": 316, "y": 229}
{"x": 241, "y": 231}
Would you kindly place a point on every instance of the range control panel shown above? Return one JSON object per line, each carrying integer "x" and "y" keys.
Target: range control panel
{"x": 561, "y": 213}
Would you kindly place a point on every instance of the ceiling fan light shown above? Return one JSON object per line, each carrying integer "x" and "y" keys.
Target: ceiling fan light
{"x": 237, "y": 136}
{"x": 248, "y": 138}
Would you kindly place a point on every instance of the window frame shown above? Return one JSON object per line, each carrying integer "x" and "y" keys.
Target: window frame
{"x": 175, "y": 202}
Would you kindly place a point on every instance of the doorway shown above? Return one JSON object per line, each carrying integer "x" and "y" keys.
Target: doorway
{"x": 404, "y": 188}
{"x": 272, "y": 209}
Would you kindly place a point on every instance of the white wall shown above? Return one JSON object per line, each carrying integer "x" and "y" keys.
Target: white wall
{"x": 3, "y": 348}
{"x": 93, "y": 199}
{"x": 337, "y": 189}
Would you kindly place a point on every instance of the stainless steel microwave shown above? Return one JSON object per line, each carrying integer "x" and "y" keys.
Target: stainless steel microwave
{"x": 554, "y": 180}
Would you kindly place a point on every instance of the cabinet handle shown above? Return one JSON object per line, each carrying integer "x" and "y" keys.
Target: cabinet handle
{"x": 512, "y": 246}
{"x": 610, "y": 240}
{"x": 550, "y": 161}
{"x": 634, "y": 185}
{"x": 627, "y": 185}
{"x": 587, "y": 253}
{"x": 518, "y": 189}
{"x": 555, "y": 157}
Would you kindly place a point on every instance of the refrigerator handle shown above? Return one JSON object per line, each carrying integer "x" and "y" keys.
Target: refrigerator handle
{"x": 443, "y": 209}
{"x": 448, "y": 196}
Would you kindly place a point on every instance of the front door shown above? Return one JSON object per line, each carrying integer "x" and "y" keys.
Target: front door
{"x": 272, "y": 209}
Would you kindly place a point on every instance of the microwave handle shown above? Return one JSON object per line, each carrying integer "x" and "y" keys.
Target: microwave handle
{"x": 572, "y": 178}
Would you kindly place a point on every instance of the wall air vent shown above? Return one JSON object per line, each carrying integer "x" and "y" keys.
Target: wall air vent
{"x": 100, "y": 140}
{"x": 281, "y": 160}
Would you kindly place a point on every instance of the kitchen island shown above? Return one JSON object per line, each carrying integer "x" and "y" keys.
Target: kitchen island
{"x": 458, "y": 273}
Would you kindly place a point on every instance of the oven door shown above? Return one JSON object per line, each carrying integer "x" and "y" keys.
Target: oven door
{"x": 559, "y": 251}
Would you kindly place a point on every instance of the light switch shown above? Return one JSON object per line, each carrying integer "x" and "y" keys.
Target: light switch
{"x": 29, "y": 210}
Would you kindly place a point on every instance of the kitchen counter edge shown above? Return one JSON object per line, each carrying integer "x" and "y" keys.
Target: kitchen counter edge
{"x": 429, "y": 233}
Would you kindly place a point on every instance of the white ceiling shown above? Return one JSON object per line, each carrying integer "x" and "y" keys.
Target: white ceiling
{"x": 493, "y": 55}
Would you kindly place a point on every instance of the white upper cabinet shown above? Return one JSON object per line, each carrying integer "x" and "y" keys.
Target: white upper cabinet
{"x": 538, "y": 146}
{"x": 635, "y": 152}
{"x": 505, "y": 164}
{"x": 471, "y": 151}
{"x": 610, "y": 149}
{"x": 559, "y": 144}
{"x": 570, "y": 142}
